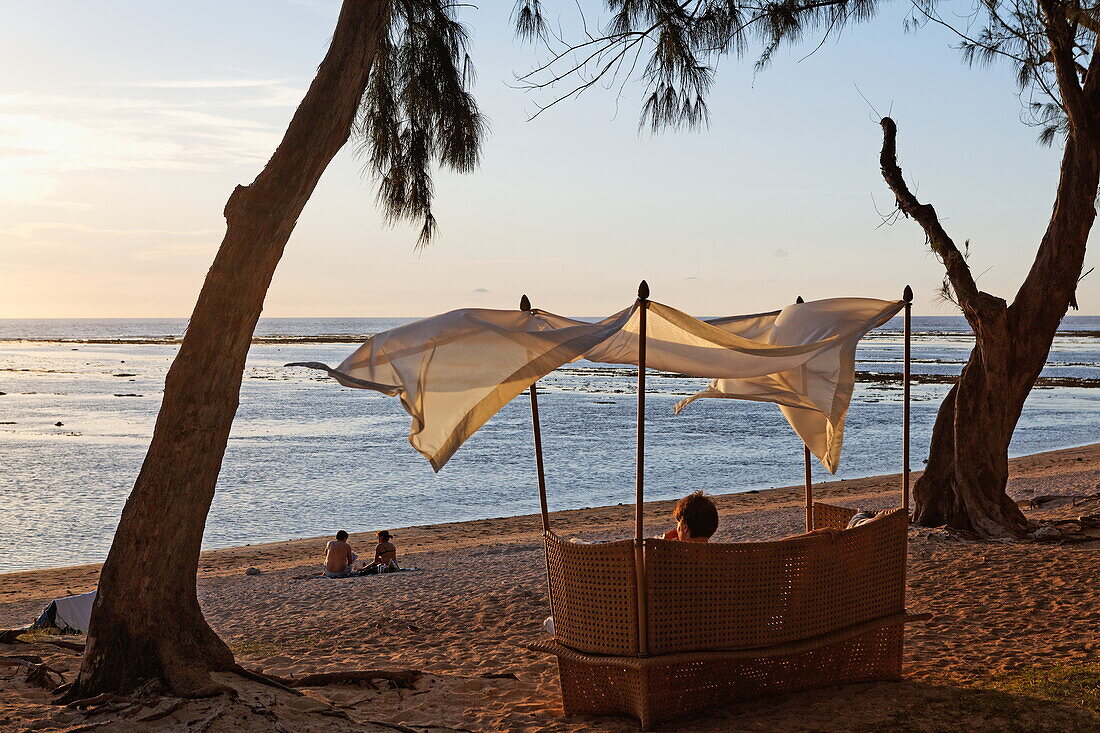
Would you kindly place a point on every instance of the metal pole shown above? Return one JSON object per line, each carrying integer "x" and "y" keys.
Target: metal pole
{"x": 907, "y": 296}
{"x": 639, "y": 540}
{"x": 808, "y": 478}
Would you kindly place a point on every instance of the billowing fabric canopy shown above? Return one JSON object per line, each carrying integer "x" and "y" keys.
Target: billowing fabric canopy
{"x": 454, "y": 371}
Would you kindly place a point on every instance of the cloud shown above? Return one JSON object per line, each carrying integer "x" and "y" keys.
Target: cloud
{"x": 780, "y": 253}
{"x": 203, "y": 83}
{"x": 481, "y": 290}
{"x": 199, "y": 125}
{"x": 138, "y": 244}
{"x": 691, "y": 277}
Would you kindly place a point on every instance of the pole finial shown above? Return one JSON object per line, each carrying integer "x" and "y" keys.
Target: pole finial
{"x": 799, "y": 300}
{"x": 643, "y": 290}
{"x": 525, "y": 303}
{"x": 907, "y": 294}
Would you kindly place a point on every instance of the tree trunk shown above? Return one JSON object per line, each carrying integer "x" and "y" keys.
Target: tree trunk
{"x": 964, "y": 485}
{"x": 146, "y": 622}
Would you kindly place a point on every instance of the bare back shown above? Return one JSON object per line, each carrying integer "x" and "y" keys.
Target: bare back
{"x": 338, "y": 556}
{"x": 385, "y": 552}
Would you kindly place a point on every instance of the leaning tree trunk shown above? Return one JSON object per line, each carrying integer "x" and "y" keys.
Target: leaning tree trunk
{"x": 146, "y": 622}
{"x": 964, "y": 484}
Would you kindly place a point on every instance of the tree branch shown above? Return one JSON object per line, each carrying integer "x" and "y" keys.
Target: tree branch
{"x": 1061, "y": 39}
{"x": 958, "y": 271}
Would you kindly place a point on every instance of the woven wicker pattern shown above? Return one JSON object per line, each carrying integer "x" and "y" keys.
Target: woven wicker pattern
{"x": 655, "y": 689}
{"x": 827, "y": 515}
{"x": 756, "y": 594}
{"x": 592, "y": 589}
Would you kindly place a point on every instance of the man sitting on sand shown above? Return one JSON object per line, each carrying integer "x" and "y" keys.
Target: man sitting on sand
{"x": 696, "y": 519}
{"x": 339, "y": 557}
{"x": 385, "y": 556}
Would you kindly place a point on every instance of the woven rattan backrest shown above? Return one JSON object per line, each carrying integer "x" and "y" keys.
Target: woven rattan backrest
{"x": 757, "y": 594}
{"x": 593, "y": 594}
{"x": 827, "y": 515}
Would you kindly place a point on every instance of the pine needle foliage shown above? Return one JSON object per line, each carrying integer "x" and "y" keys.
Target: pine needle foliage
{"x": 673, "y": 46}
{"x": 418, "y": 110}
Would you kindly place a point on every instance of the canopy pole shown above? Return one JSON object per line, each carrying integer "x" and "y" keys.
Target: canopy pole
{"x": 525, "y": 306}
{"x": 639, "y": 540}
{"x": 907, "y": 296}
{"x": 538, "y": 459}
{"x": 806, "y": 469}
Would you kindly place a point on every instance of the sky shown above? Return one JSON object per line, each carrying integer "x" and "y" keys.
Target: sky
{"x": 124, "y": 126}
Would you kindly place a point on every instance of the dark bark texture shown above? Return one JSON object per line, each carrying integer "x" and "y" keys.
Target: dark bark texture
{"x": 146, "y": 622}
{"x": 964, "y": 484}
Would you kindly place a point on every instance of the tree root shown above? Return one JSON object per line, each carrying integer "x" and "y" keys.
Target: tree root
{"x": 205, "y": 723}
{"x": 83, "y": 728}
{"x": 163, "y": 713}
{"x": 11, "y": 636}
{"x": 264, "y": 679}
{"x": 88, "y": 702}
{"x": 401, "y": 678}
{"x": 394, "y": 726}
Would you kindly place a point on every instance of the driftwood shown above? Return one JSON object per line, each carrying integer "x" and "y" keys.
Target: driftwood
{"x": 43, "y": 676}
{"x": 38, "y": 673}
{"x": 15, "y": 660}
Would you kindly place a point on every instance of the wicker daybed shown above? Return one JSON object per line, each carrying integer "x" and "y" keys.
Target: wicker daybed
{"x": 655, "y": 628}
{"x": 726, "y": 622}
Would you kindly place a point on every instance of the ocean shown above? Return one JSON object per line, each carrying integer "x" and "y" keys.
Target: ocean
{"x": 79, "y": 397}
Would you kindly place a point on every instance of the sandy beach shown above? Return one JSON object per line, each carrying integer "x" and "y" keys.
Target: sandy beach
{"x": 1010, "y": 621}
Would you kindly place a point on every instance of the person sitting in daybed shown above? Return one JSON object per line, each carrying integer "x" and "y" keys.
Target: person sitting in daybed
{"x": 696, "y": 519}
{"x": 385, "y": 556}
{"x": 339, "y": 557}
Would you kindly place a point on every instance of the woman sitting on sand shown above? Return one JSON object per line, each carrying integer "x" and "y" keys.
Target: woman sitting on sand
{"x": 385, "y": 556}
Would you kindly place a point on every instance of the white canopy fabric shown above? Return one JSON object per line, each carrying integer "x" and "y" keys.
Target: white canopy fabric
{"x": 814, "y": 397}
{"x": 454, "y": 371}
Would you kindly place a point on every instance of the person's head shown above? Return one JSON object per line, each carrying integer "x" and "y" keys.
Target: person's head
{"x": 696, "y": 517}
{"x": 341, "y": 535}
{"x": 384, "y": 536}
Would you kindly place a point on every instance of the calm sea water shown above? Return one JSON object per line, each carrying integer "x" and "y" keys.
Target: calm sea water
{"x": 307, "y": 457}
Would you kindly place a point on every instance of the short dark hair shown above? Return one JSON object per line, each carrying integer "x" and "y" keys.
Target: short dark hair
{"x": 341, "y": 535}
{"x": 384, "y": 536}
{"x": 698, "y": 512}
